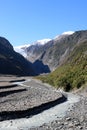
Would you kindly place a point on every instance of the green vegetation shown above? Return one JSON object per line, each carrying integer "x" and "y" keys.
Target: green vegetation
{"x": 73, "y": 73}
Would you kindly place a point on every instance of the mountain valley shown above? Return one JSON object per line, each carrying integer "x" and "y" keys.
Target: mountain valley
{"x": 55, "y": 51}
{"x": 27, "y": 101}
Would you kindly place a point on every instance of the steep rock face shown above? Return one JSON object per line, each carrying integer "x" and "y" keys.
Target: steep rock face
{"x": 55, "y": 52}
{"x": 37, "y": 51}
{"x": 73, "y": 72}
{"x": 12, "y": 62}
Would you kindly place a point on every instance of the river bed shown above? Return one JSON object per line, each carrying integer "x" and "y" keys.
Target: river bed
{"x": 59, "y": 111}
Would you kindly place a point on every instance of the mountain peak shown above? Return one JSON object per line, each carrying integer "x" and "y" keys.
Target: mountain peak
{"x": 42, "y": 42}
{"x": 68, "y": 33}
{"x": 63, "y": 35}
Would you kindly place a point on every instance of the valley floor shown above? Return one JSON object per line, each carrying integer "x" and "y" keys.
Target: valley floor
{"x": 75, "y": 118}
{"x": 69, "y": 115}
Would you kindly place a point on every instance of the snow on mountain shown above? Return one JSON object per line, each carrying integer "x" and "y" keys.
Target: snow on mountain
{"x": 64, "y": 34}
{"x": 21, "y": 49}
{"x": 68, "y": 33}
{"x": 41, "y": 42}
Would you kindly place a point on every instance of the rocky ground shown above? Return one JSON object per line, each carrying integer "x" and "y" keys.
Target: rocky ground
{"x": 27, "y": 94}
{"x": 19, "y": 94}
{"x": 75, "y": 119}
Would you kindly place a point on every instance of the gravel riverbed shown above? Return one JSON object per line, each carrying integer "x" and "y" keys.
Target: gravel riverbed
{"x": 69, "y": 115}
{"x": 48, "y": 119}
{"x": 75, "y": 118}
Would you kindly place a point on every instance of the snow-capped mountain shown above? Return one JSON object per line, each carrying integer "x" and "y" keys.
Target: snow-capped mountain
{"x": 53, "y": 52}
{"x": 41, "y": 42}
{"x": 63, "y": 35}
{"x": 22, "y": 49}
{"x": 68, "y": 33}
{"x": 31, "y": 50}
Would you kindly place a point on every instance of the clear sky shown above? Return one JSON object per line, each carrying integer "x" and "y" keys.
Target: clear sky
{"x": 25, "y": 21}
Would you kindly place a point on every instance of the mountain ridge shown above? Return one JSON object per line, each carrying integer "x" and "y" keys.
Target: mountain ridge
{"x": 45, "y": 58}
{"x": 39, "y": 51}
{"x": 54, "y": 52}
{"x": 72, "y": 74}
{"x": 41, "y": 42}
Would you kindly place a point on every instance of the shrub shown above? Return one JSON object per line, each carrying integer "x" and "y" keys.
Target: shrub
{"x": 78, "y": 82}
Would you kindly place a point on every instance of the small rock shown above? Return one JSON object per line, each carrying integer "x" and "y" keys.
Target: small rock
{"x": 81, "y": 119}
{"x": 77, "y": 124}
{"x": 80, "y": 127}
{"x": 60, "y": 127}
{"x": 66, "y": 123}
{"x": 70, "y": 125}
{"x": 68, "y": 119}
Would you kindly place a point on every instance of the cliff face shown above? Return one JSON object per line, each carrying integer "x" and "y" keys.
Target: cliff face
{"x": 72, "y": 74}
{"x": 55, "y": 52}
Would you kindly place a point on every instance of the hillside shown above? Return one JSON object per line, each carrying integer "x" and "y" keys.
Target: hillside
{"x": 54, "y": 52}
{"x": 58, "y": 53}
{"x": 72, "y": 74}
{"x": 12, "y": 62}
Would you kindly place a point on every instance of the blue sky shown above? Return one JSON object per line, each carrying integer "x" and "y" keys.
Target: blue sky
{"x": 25, "y": 21}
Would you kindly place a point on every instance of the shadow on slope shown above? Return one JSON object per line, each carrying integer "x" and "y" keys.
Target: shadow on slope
{"x": 8, "y": 86}
{"x": 12, "y": 62}
{"x": 40, "y": 68}
{"x": 6, "y": 93}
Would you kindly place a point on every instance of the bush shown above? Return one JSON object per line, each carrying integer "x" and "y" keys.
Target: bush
{"x": 78, "y": 82}
{"x": 65, "y": 83}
